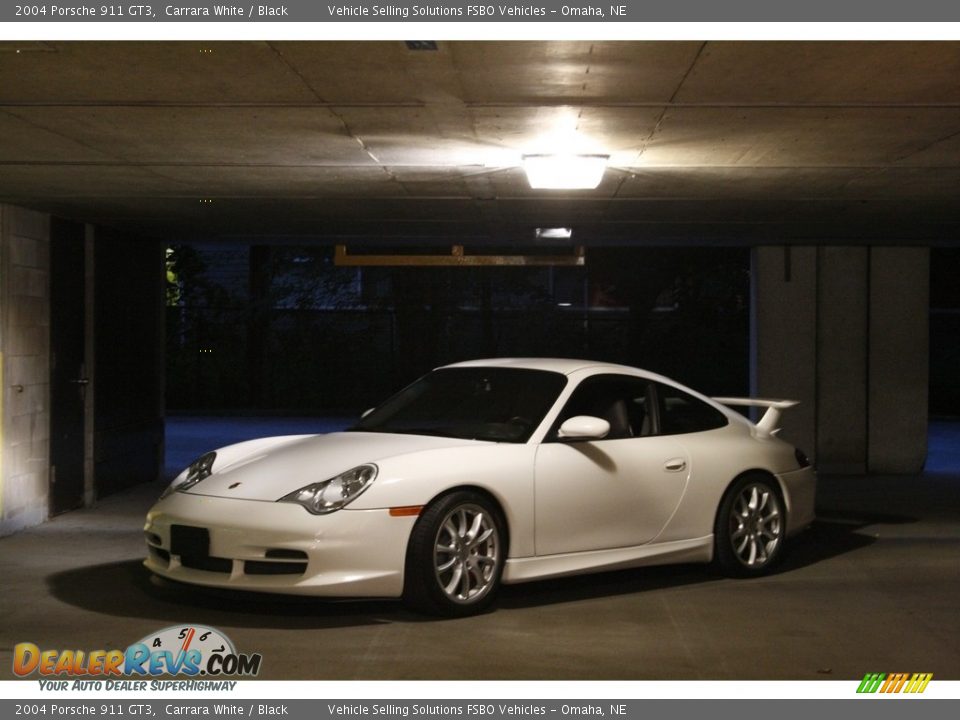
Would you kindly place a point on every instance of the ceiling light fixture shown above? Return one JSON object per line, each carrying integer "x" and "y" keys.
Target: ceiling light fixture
{"x": 565, "y": 172}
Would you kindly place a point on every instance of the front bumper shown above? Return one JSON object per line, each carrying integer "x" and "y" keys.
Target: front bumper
{"x": 280, "y": 547}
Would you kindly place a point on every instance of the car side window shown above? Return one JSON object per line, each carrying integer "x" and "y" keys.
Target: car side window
{"x": 621, "y": 400}
{"x": 681, "y": 413}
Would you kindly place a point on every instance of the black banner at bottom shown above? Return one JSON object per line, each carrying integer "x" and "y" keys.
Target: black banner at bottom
{"x": 873, "y": 707}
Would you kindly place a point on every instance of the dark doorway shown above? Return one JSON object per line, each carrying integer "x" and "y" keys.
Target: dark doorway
{"x": 68, "y": 383}
{"x": 127, "y": 362}
{"x": 944, "y": 333}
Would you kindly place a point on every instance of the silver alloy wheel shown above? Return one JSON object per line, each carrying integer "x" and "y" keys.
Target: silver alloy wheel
{"x": 756, "y": 525}
{"x": 467, "y": 554}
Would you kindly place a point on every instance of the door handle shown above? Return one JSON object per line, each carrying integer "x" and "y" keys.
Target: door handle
{"x": 675, "y": 465}
{"x": 81, "y": 381}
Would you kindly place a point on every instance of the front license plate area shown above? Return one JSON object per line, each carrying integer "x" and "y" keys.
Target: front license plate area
{"x": 189, "y": 541}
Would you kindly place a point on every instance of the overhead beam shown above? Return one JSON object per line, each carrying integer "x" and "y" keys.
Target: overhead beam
{"x": 457, "y": 258}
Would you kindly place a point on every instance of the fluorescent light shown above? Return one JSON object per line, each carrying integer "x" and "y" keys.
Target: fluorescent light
{"x": 554, "y": 233}
{"x": 565, "y": 172}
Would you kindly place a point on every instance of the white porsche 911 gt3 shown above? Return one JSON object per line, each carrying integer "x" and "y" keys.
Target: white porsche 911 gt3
{"x": 490, "y": 472}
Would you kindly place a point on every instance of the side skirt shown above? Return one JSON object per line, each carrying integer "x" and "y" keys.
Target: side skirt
{"x": 518, "y": 570}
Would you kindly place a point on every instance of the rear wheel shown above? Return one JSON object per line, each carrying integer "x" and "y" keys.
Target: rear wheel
{"x": 455, "y": 557}
{"x": 750, "y": 527}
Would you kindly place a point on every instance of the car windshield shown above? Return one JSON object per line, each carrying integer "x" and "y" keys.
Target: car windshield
{"x": 498, "y": 404}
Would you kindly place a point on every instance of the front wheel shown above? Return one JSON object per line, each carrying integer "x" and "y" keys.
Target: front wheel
{"x": 750, "y": 527}
{"x": 455, "y": 557}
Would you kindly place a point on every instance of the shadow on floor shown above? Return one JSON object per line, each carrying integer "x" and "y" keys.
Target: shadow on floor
{"x": 823, "y": 540}
{"x": 140, "y": 594}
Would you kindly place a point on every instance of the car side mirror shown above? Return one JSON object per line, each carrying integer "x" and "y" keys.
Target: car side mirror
{"x": 367, "y": 412}
{"x": 584, "y": 427}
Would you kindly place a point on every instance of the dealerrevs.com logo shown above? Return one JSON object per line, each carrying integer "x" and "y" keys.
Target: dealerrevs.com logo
{"x": 190, "y": 650}
{"x": 895, "y": 683}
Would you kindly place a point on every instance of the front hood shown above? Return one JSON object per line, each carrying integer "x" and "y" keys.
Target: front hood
{"x": 274, "y": 469}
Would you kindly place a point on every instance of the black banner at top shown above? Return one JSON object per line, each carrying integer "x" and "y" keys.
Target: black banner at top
{"x": 405, "y": 11}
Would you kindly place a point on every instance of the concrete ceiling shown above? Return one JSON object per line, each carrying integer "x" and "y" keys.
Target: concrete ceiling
{"x": 708, "y": 142}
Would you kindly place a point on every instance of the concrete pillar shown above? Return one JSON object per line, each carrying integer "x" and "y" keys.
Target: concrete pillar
{"x": 124, "y": 403}
{"x": 842, "y": 310}
{"x": 784, "y": 336}
{"x": 845, "y": 331}
{"x": 899, "y": 359}
{"x": 24, "y": 367}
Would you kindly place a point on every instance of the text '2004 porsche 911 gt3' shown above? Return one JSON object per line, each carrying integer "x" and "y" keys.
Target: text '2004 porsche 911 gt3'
{"x": 489, "y": 472}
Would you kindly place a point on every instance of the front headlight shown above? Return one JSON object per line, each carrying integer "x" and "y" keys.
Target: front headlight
{"x": 199, "y": 469}
{"x": 331, "y": 495}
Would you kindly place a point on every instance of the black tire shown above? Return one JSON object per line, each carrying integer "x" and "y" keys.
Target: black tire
{"x": 455, "y": 556}
{"x": 750, "y": 527}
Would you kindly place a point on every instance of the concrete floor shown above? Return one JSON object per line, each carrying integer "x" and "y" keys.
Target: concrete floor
{"x": 872, "y": 586}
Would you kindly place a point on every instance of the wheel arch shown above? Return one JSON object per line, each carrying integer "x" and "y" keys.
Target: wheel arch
{"x": 480, "y": 490}
{"x": 760, "y": 472}
{"x": 729, "y": 560}
{"x": 420, "y": 591}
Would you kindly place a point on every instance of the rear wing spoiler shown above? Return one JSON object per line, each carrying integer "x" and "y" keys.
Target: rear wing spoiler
{"x": 769, "y": 424}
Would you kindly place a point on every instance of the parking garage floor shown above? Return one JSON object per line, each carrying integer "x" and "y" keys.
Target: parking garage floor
{"x": 873, "y": 585}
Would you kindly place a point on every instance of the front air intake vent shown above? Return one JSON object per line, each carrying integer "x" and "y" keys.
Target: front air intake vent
{"x": 259, "y": 567}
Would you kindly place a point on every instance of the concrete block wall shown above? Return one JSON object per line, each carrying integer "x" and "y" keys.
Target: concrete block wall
{"x": 25, "y": 367}
{"x": 845, "y": 331}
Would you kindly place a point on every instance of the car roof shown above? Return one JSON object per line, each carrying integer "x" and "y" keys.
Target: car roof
{"x": 561, "y": 365}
